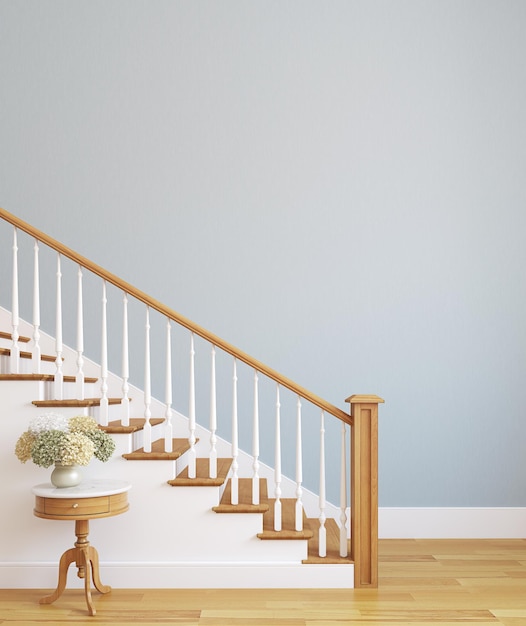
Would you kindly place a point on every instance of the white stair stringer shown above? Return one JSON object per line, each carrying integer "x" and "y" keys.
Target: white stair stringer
{"x": 170, "y": 537}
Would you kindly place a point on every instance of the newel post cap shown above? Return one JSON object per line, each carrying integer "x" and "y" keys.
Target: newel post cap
{"x": 364, "y": 399}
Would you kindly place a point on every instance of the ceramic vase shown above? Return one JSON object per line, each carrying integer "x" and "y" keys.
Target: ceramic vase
{"x": 66, "y": 476}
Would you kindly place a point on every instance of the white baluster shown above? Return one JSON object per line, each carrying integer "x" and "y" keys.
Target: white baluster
{"x": 322, "y": 533}
{"x": 104, "y": 361}
{"x": 79, "y": 379}
{"x": 15, "y": 348}
{"x": 255, "y": 443}
{"x": 277, "y": 469}
{"x": 59, "y": 377}
{"x": 168, "y": 429}
{"x": 212, "y": 464}
{"x": 343, "y": 495}
{"x": 125, "y": 400}
{"x": 147, "y": 431}
{"x": 299, "y": 470}
{"x": 191, "y": 413}
{"x": 36, "y": 352}
{"x": 234, "y": 481}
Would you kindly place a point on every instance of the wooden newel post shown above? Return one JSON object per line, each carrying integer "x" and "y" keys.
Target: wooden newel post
{"x": 364, "y": 489}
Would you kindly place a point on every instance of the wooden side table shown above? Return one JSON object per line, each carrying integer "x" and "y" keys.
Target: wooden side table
{"x": 91, "y": 499}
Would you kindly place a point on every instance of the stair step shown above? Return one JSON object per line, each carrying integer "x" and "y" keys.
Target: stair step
{"x": 202, "y": 475}
{"x": 73, "y": 402}
{"x": 288, "y": 508}
{"x": 44, "y": 377}
{"x": 180, "y": 446}
{"x": 244, "y": 498}
{"x": 28, "y": 355}
{"x": 332, "y": 543}
{"x": 136, "y": 423}
{"x": 4, "y": 335}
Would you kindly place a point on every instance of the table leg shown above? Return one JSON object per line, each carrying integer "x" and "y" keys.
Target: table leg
{"x": 94, "y": 558}
{"x": 86, "y": 558}
{"x": 87, "y": 578}
{"x": 65, "y": 561}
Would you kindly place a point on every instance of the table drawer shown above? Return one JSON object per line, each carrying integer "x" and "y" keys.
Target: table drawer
{"x": 74, "y": 507}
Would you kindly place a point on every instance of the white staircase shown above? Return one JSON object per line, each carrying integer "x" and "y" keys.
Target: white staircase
{"x": 171, "y": 536}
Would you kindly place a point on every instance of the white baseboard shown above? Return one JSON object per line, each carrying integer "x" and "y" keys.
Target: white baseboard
{"x": 452, "y": 523}
{"x": 394, "y": 523}
{"x": 184, "y": 576}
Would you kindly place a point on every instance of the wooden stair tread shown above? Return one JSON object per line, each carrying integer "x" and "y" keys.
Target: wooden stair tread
{"x": 22, "y": 339}
{"x": 288, "y": 522}
{"x": 28, "y": 355}
{"x": 332, "y": 544}
{"x": 136, "y": 423}
{"x": 180, "y": 446}
{"x": 202, "y": 478}
{"x": 244, "y": 498}
{"x": 70, "y": 379}
{"x": 73, "y": 403}
{"x": 44, "y": 377}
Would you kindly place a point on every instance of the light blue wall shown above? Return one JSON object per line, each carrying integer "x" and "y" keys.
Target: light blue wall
{"x": 337, "y": 188}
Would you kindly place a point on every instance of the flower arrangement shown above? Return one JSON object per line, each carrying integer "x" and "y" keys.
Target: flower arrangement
{"x": 53, "y": 438}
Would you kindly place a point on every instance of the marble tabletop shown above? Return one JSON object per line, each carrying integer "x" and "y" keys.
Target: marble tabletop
{"x": 90, "y": 488}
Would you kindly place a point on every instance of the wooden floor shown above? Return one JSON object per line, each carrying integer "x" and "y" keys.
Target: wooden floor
{"x": 421, "y": 582}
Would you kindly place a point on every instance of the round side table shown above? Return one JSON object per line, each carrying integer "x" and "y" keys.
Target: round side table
{"x": 91, "y": 499}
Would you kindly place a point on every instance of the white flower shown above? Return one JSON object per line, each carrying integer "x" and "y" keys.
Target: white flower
{"x": 48, "y": 421}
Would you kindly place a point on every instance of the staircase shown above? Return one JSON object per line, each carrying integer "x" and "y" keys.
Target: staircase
{"x": 204, "y": 512}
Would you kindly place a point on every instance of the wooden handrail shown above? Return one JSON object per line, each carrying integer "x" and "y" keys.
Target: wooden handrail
{"x": 176, "y": 317}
